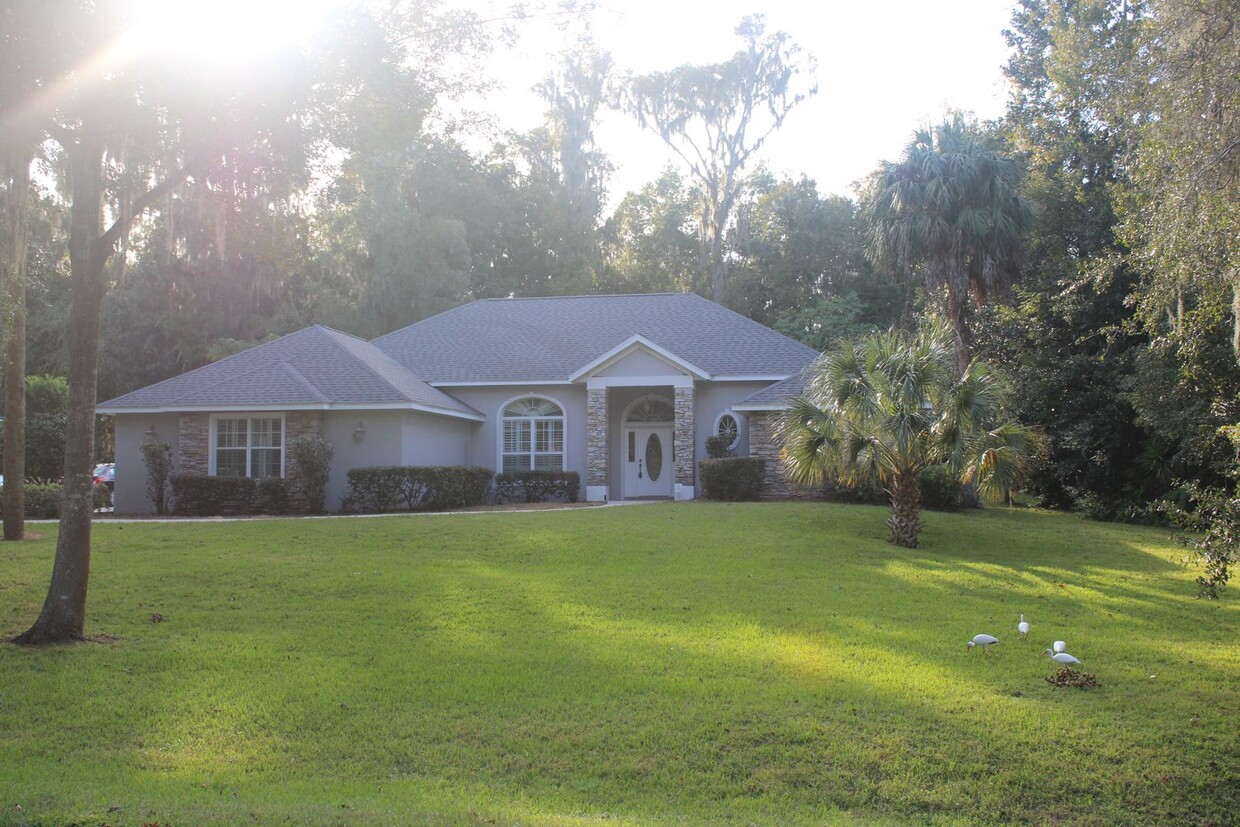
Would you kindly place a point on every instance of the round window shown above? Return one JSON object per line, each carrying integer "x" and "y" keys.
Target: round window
{"x": 729, "y": 426}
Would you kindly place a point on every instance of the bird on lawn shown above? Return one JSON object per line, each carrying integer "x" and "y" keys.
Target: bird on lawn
{"x": 1060, "y": 646}
{"x": 1061, "y": 657}
{"x": 1023, "y": 626}
{"x": 983, "y": 641}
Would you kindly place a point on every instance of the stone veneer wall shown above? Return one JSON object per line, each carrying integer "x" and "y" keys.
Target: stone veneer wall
{"x": 684, "y": 438}
{"x": 596, "y": 437}
{"x": 762, "y": 443}
{"x": 194, "y": 442}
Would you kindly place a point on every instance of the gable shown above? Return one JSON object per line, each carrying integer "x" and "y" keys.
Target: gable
{"x": 640, "y": 362}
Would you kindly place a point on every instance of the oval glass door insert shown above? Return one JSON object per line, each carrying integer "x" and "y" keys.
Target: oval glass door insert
{"x": 654, "y": 457}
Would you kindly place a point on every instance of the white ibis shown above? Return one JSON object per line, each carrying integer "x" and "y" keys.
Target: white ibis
{"x": 1023, "y": 626}
{"x": 983, "y": 641}
{"x": 1060, "y": 647}
{"x": 1061, "y": 657}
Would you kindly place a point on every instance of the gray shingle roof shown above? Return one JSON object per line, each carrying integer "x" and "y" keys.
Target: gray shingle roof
{"x": 774, "y": 397}
{"x": 548, "y": 339}
{"x": 312, "y": 367}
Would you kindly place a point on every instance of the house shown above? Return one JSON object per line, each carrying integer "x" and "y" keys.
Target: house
{"x": 623, "y": 390}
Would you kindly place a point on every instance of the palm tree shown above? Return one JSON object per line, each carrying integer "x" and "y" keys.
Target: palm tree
{"x": 949, "y": 211}
{"x": 886, "y": 407}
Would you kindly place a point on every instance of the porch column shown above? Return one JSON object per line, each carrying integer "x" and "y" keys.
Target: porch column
{"x": 684, "y": 441}
{"x": 596, "y": 444}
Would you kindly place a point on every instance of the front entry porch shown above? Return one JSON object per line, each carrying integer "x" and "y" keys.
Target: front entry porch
{"x": 641, "y": 442}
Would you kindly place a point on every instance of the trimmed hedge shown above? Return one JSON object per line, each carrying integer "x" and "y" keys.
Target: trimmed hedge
{"x": 42, "y": 500}
{"x": 718, "y": 447}
{"x": 416, "y": 487}
{"x": 197, "y": 495}
{"x": 537, "y": 487}
{"x": 733, "y": 479}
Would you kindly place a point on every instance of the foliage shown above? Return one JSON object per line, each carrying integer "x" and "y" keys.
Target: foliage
{"x": 312, "y": 457}
{"x": 716, "y": 117}
{"x": 157, "y": 457}
{"x": 537, "y": 487}
{"x": 43, "y": 500}
{"x": 650, "y": 242}
{"x": 951, "y": 212}
{"x": 883, "y": 409}
{"x": 385, "y": 489}
{"x": 1067, "y": 676}
{"x": 733, "y": 479}
{"x": 738, "y": 644}
{"x": 47, "y": 402}
{"x": 1212, "y": 518}
{"x": 719, "y": 446}
{"x": 198, "y": 495}
{"x": 940, "y": 489}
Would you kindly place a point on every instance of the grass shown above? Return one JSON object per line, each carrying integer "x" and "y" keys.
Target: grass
{"x": 686, "y": 664}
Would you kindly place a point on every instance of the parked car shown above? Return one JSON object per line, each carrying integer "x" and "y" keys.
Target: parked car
{"x": 105, "y": 474}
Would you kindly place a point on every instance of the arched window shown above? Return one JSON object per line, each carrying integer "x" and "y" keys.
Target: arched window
{"x": 729, "y": 425}
{"x": 651, "y": 409}
{"x": 533, "y": 436}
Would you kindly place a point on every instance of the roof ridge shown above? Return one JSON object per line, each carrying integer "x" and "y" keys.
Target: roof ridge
{"x": 375, "y": 373}
{"x": 301, "y": 378}
{"x": 226, "y": 380}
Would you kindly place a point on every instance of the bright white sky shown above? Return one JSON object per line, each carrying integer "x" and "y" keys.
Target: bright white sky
{"x": 884, "y": 68}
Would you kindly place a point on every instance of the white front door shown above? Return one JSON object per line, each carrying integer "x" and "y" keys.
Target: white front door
{"x": 649, "y": 470}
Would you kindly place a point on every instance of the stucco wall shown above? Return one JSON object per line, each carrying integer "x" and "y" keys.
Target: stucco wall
{"x": 640, "y": 363}
{"x": 490, "y": 401}
{"x": 130, "y": 496}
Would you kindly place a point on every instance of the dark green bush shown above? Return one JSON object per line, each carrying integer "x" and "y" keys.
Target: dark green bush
{"x": 197, "y": 495}
{"x": 42, "y": 500}
{"x": 157, "y": 457}
{"x": 864, "y": 493}
{"x": 733, "y": 479}
{"x": 312, "y": 456}
{"x": 718, "y": 447}
{"x": 538, "y": 487}
{"x": 940, "y": 489}
{"x": 423, "y": 488}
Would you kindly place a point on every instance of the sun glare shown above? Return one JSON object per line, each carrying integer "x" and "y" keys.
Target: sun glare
{"x": 228, "y": 29}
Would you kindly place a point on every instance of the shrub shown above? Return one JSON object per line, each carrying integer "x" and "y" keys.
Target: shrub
{"x": 42, "y": 500}
{"x": 718, "y": 447}
{"x": 733, "y": 478}
{"x": 412, "y": 487}
{"x": 538, "y": 487}
{"x": 940, "y": 489}
{"x": 157, "y": 457}
{"x": 312, "y": 456}
{"x": 863, "y": 493}
{"x": 197, "y": 495}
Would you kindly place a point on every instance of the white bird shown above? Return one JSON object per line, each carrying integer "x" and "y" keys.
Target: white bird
{"x": 1022, "y": 627}
{"x": 1060, "y": 646}
{"x": 1061, "y": 657}
{"x": 983, "y": 641}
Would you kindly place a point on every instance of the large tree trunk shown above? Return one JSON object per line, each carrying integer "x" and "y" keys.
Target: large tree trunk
{"x": 958, "y": 318}
{"x": 13, "y": 279}
{"x": 905, "y": 521}
{"x": 64, "y": 611}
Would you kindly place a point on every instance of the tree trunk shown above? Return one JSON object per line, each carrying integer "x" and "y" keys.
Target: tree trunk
{"x": 13, "y": 279}
{"x": 957, "y": 317}
{"x": 905, "y": 521}
{"x": 64, "y": 611}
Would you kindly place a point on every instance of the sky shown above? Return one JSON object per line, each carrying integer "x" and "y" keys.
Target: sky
{"x": 885, "y": 67}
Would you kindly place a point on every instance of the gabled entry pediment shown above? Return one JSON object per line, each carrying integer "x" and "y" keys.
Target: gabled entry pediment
{"x": 638, "y": 357}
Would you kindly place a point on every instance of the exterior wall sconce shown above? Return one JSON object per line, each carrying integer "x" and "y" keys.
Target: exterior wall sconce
{"x": 359, "y": 433}
{"x": 150, "y": 434}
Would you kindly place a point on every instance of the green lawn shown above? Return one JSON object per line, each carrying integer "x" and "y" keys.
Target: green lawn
{"x": 690, "y": 664}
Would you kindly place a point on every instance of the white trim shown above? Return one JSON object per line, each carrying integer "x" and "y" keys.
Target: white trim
{"x": 211, "y": 440}
{"x": 769, "y": 406}
{"x": 630, "y": 345}
{"x": 603, "y": 382}
{"x": 499, "y": 430}
{"x": 378, "y": 406}
{"x": 778, "y": 377}
{"x": 503, "y": 384}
